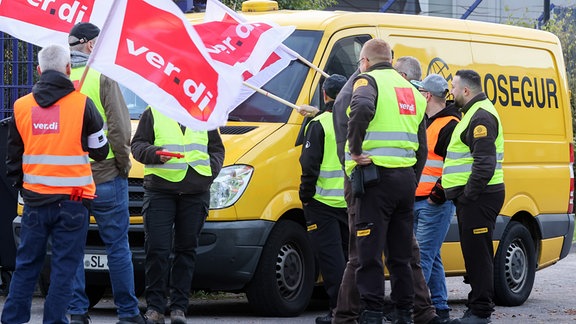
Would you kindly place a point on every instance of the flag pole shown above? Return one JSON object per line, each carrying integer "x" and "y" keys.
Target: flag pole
{"x": 272, "y": 96}
{"x": 305, "y": 61}
{"x": 96, "y": 47}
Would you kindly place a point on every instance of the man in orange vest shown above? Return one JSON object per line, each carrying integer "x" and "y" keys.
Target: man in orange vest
{"x": 432, "y": 212}
{"x": 52, "y": 134}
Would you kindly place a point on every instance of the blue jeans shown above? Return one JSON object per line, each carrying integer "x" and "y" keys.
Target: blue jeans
{"x": 66, "y": 223}
{"x": 110, "y": 209}
{"x": 431, "y": 223}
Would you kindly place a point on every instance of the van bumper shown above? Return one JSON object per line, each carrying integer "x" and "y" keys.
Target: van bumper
{"x": 227, "y": 255}
{"x": 557, "y": 225}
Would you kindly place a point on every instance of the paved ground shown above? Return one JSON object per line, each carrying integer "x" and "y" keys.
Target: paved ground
{"x": 551, "y": 301}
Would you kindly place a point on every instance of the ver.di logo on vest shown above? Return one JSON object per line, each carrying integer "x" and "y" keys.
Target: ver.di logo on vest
{"x": 45, "y": 120}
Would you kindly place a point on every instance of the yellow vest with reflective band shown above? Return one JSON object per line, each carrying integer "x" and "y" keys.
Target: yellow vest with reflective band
{"x": 54, "y": 161}
{"x": 192, "y": 144}
{"x": 458, "y": 162}
{"x": 392, "y": 135}
{"x": 91, "y": 88}
{"x": 330, "y": 183}
{"x": 434, "y": 163}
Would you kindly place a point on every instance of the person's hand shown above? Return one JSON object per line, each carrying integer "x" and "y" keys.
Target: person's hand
{"x": 165, "y": 158}
{"x": 308, "y": 111}
{"x": 362, "y": 159}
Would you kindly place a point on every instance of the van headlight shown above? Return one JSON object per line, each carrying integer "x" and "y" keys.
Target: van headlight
{"x": 229, "y": 185}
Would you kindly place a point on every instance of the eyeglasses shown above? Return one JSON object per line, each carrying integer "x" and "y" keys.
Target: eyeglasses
{"x": 361, "y": 59}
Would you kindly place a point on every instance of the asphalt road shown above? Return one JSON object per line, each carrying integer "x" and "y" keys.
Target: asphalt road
{"x": 551, "y": 301}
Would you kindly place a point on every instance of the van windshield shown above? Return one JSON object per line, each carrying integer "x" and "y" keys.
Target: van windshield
{"x": 257, "y": 107}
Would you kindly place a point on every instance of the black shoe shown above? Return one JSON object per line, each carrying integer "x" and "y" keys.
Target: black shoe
{"x": 326, "y": 319}
{"x": 403, "y": 316}
{"x": 370, "y": 317}
{"x": 138, "y": 319}
{"x": 80, "y": 319}
{"x": 439, "y": 320}
{"x": 470, "y": 318}
{"x": 444, "y": 315}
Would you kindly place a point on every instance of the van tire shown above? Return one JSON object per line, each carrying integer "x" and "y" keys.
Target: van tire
{"x": 283, "y": 282}
{"x": 514, "y": 266}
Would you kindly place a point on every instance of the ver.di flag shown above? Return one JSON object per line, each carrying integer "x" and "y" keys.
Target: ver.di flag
{"x": 48, "y": 22}
{"x": 150, "y": 47}
{"x": 235, "y": 42}
{"x": 277, "y": 55}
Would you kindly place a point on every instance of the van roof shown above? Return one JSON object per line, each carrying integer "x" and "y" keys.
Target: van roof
{"x": 331, "y": 21}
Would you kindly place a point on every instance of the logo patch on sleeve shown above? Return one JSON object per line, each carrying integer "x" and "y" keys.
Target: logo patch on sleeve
{"x": 480, "y": 131}
{"x": 481, "y": 230}
{"x": 360, "y": 83}
{"x": 406, "y": 101}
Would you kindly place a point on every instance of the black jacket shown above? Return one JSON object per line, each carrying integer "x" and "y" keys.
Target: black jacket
{"x": 483, "y": 150}
{"x": 144, "y": 151}
{"x": 51, "y": 87}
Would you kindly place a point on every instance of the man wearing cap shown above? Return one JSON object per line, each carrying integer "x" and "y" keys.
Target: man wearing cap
{"x": 432, "y": 212}
{"x": 110, "y": 207}
{"x": 322, "y": 195}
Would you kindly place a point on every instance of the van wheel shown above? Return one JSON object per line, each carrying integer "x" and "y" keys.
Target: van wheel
{"x": 514, "y": 266}
{"x": 283, "y": 282}
{"x": 94, "y": 293}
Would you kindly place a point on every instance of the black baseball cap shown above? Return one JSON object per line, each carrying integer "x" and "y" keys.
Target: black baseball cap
{"x": 84, "y": 31}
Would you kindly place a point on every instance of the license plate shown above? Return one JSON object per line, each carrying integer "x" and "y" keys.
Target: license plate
{"x": 95, "y": 262}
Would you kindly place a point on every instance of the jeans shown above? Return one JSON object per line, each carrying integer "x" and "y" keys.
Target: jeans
{"x": 431, "y": 223}
{"x": 66, "y": 223}
{"x": 110, "y": 209}
{"x": 172, "y": 223}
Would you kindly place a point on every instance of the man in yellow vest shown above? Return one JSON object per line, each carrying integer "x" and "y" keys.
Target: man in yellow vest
{"x": 432, "y": 212}
{"x": 52, "y": 134}
{"x": 473, "y": 177}
{"x": 110, "y": 208}
{"x": 386, "y": 134}
{"x": 179, "y": 167}
{"x": 322, "y": 195}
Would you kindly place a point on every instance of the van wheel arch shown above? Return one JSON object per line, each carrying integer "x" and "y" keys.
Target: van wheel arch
{"x": 514, "y": 265}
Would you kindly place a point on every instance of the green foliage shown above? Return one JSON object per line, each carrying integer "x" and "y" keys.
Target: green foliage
{"x": 562, "y": 23}
{"x": 287, "y": 4}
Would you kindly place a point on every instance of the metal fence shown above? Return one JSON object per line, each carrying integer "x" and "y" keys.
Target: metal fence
{"x": 18, "y": 68}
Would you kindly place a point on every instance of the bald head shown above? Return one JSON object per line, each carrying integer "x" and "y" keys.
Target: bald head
{"x": 376, "y": 51}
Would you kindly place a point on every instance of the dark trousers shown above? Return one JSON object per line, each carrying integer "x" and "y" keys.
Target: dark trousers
{"x": 328, "y": 233}
{"x": 171, "y": 218}
{"x": 348, "y": 306}
{"x": 476, "y": 221}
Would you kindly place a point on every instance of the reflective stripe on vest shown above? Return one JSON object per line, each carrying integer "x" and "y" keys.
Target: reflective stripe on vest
{"x": 434, "y": 163}
{"x": 392, "y": 135}
{"x": 192, "y": 144}
{"x": 458, "y": 162}
{"x": 330, "y": 183}
{"x": 54, "y": 161}
{"x": 91, "y": 88}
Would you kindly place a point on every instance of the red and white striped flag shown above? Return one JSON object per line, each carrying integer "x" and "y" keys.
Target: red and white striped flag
{"x": 48, "y": 22}
{"x": 150, "y": 47}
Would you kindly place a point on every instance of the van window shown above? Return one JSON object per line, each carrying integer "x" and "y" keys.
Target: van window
{"x": 286, "y": 85}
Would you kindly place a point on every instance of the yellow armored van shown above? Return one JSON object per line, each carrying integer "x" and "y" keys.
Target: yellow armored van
{"x": 254, "y": 240}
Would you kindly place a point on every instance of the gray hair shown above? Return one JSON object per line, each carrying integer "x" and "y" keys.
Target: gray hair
{"x": 409, "y": 66}
{"x": 54, "y": 57}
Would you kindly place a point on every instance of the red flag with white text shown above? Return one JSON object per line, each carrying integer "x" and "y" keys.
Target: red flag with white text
{"x": 48, "y": 22}
{"x": 150, "y": 47}
{"x": 235, "y": 42}
{"x": 278, "y": 56}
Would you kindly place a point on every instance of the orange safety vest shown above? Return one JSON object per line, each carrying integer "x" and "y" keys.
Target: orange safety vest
{"x": 54, "y": 161}
{"x": 434, "y": 162}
